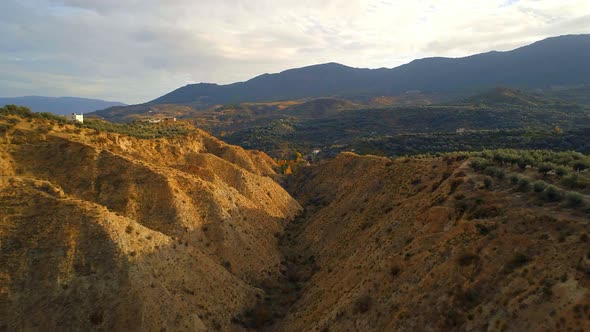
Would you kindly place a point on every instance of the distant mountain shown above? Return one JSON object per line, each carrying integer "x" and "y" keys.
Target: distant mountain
{"x": 557, "y": 61}
{"x": 60, "y": 105}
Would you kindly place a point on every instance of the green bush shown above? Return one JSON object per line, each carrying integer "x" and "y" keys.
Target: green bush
{"x": 545, "y": 168}
{"x": 479, "y": 164}
{"x": 487, "y": 182}
{"x": 574, "y": 199}
{"x": 524, "y": 185}
{"x": 539, "y": 186}
{"x": 571, "y": 181}
{"x": 514, "y": 179}
{"x": 580, "y": 165}
{"x": 561, "y": 171}
{"x": 23, "y": 112}
{"x": 495, "y": 172}
{"x": 551, "y": 194}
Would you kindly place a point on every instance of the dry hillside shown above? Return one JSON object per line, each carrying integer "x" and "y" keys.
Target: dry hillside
{"x": 105, "y": 231}
{"x": 422, "y": 245}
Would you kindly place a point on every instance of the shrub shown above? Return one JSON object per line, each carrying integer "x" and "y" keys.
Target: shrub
{"x": 479, "y": 164}
{"x": 518, "y": 260}
{"x": 580, "y": 165}
{"x": 545, "y": 168}
{"x": 571, "y": 181}
{"x": 363, "y": 304}
{"x": 487, "y": 182}
{"x": 574, "y": 199}
{"x": 551, "y": 194}
{"x": 539, "y": 186}
{"x": 524, "y": 185}
{"x": 394, "y": 271}
{"x": 494, "y": 171}
{"x": 561, "y": 171}
{"x": 21, "y": 111}
{"x": 467, "y": 259}
{"x": 514, "y": 179}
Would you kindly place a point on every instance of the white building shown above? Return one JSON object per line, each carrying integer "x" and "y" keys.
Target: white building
{"x": 75, "y": 117}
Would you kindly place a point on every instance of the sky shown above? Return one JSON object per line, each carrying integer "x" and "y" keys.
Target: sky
{"x": 137, "y": 50}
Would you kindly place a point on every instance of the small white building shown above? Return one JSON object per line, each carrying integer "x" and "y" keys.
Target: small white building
{"x": 75, "y": 117}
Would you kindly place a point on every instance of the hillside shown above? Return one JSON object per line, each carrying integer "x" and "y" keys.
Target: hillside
{"x": 507, "y": 96}
{"x": 60, "y": 105}
{"x": 103, "y": 231}
{"x": 426, "y": 244}
{"x": 558, "y": 61}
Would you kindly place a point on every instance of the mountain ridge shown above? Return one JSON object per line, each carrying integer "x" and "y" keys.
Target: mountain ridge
{"x": 552, "y": 61}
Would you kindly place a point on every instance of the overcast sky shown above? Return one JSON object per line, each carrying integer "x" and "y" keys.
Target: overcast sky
{"x": 136, "y": 50}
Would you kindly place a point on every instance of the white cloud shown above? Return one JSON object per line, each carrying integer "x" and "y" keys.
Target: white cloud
{"x": 134, "y": 51}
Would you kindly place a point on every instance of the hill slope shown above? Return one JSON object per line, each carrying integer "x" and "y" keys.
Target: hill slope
{"x": 60, "y": 105}
{"x": 421, "y": 244}
{"x": 106, "y": 231}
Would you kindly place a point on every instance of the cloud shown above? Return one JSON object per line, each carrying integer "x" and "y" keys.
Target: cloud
{"x": 134, "y": 51}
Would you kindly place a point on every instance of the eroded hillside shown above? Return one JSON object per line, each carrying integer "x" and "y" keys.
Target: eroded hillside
{"x": 105, "y": 231}
{"x": 425, "y": 244}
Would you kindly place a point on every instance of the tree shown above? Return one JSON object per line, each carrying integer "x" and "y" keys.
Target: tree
{"x": 545, "y": 168}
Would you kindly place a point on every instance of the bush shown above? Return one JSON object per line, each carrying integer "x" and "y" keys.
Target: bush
{"x": 514, "y": 179}
{"x": 571, "y": 181}
{"x": 580, "y": 165}
{"x": 574, "y": 199}
{"x": 487, "y": 182}
{"x": 479, "y": 164}
{"x": 545, "y": 168}
{"x": 516, "y": 261}
{"x": 561, "y": 171}
{"x": 362, "y": 304}
{"x": 551, "y": 194}
{"x": 524, "y": 185}
{"x": 494, "y": 171}
{"x": 23, "y": 112}
{"x": 539, "y": 186}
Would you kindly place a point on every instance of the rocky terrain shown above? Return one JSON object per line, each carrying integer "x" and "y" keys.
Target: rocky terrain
{"x": 102, "y": 231}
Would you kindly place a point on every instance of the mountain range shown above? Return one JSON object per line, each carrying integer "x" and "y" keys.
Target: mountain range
{"x": 60, "y": 105}
{"x": 552, "y": 62}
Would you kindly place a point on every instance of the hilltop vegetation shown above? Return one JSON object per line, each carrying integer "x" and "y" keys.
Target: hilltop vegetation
{"x": 139, "y": 129}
